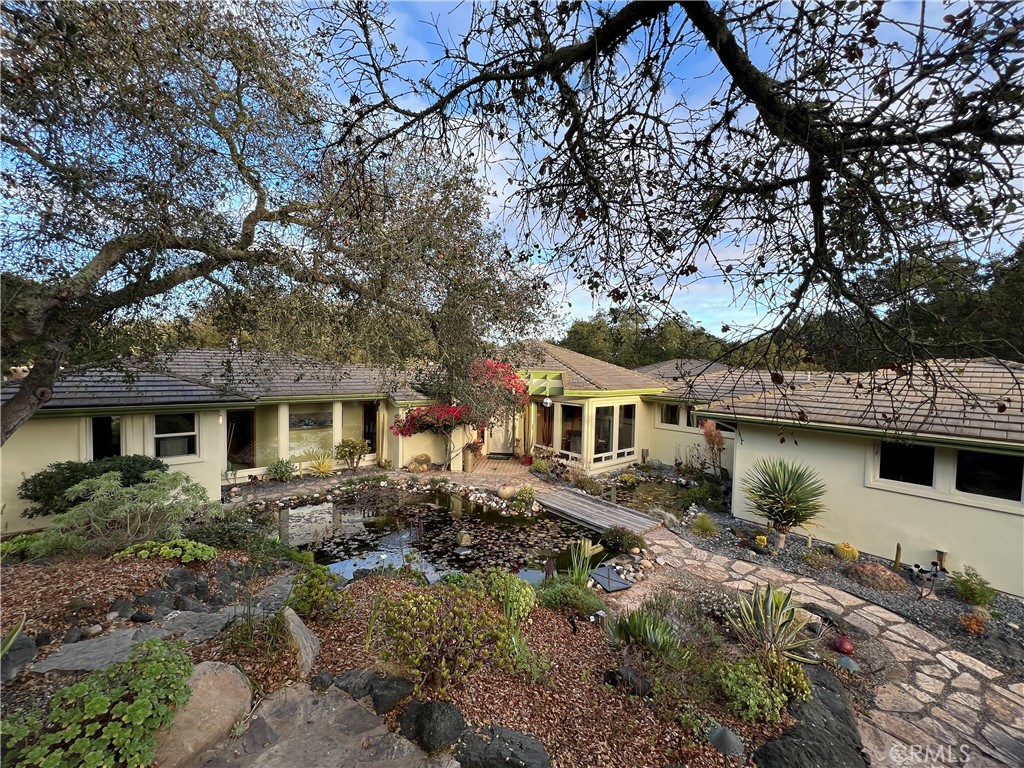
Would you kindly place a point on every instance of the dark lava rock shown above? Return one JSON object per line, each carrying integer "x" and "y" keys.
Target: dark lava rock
{"x": 498, "y": 747}
{"x": 356, "y": 682}
{"x": 634, "y": 683}
{"x": 73, "y": 635}
{"x": 826, "y": 734}
{"x": 186, "y": 603}
{"x": 180, "y": 580}
{"x": 433, "y": 725}
{"x": 156, "y": 598}
{"x": 141, "y": 617}
{"x": 43, "y": 638}
{"x": 21, "y": 652}
{"x": 321, "y": 681}
{"x": 122, "y": 608}
{"x": 361, "y": 573}
{"x": 387, "y": 692}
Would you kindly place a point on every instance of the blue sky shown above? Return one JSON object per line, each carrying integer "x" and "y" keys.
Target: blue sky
{"x": 709, "y": 302}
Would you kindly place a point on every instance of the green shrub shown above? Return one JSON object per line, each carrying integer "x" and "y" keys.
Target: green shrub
{"x": 48, "y": 488}
{"x": 440, "y": 635}
{"x": 351, "y": 451}
{"x": 113, "y": 517}
{"x": 703, "y": 526}
{"x": 750, "y": 694}
{"x": 817, "y": 558}
{"x": 628, "y": 480}
{"x": 526, "y": 495}
{"x": 224, "y": 534}
{"x": 453, "y": 578}
{"x": 184, "y": 550}
{"x": 314, "y": 593}
{"x": 646, "y": 631}
{"x": 794, "y": 682}
{"x": 561, "y": 594}
{"x": 282, "y": 470}
{"x": 24, "y": 546}
{"x": 541, "y": 467}
{"x": 972, "y": 587}
{"x": 706, "y": 494}
{"x": 619, "y": 539}
{"x": 768, "y": 627}
{"x": 514, "y": 596}
{"x": 108, "y": 719}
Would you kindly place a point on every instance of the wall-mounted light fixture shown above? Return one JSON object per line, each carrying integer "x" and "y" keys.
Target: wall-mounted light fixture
{"x": 547, "y": 402}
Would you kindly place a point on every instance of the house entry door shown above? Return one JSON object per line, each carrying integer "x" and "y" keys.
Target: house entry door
{"x": 501, "y": 438}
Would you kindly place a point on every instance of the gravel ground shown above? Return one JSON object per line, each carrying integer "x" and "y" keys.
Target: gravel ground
{"x": 1001, "y": 646}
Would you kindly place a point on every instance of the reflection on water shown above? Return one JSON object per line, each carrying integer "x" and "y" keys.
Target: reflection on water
{"x": 431, "y": 529}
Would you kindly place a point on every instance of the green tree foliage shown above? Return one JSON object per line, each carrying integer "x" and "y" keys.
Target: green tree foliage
{"x": 788, "y": 150}
{"x": 170, "y": 183}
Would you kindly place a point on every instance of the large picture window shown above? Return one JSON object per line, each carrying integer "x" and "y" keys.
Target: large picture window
{"x": 905, "y": 463}
{"x": 990, "y": 474}
{"x": 175, "y": 435}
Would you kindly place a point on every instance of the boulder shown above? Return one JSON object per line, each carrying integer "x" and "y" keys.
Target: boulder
{"x": 422, "y": 458}
{"x": 507, "y": 491}
{"x": 356, "y": 682}
{"x": 433, "y": 725}
{"x": 221, "y": 698}
{"x": 826, "y": 732}
{"x": 21, "y": 652}
{"x": 387, "y": 692}
{"x": 100, "y": 652}
{"x": 305, "y": 644}
{"x": 498, "y": 747}
{"x": 463, "y": 539}
{"x": 417, "y": 468}
{"x": 322, "y": 681}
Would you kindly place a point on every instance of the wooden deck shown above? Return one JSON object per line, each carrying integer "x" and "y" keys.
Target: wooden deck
{"x": 592, "y": 512}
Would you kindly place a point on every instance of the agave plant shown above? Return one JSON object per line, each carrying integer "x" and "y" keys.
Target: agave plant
{"x": 768, "y": 626}
{"x": 645, "y": 630}
{"x": 786, "y": 493}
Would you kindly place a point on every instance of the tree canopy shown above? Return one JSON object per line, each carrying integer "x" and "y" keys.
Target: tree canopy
{"x": 165, "y": 161}
{"x": 789, "y": 149}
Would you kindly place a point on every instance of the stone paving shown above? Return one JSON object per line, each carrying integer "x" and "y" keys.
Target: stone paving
{"x": 939, "y": 706}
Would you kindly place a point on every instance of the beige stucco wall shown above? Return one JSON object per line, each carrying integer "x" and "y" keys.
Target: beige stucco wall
{"x": 668, "y": 442}
{"x": 42, "y": 441}
{"x": 874, "y": 514}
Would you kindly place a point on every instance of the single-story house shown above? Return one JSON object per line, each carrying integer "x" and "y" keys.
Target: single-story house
{"x": 931, "y": 458}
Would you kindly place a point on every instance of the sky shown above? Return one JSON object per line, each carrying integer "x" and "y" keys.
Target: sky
{"x": 709, "y": 302}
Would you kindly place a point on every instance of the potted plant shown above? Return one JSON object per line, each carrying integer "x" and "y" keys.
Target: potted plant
{"x": 788, "y": 494}
{"x": 472, "y": 450}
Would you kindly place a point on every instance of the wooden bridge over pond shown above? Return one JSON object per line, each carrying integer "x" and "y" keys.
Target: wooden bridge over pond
{"x": 593, "y": 512}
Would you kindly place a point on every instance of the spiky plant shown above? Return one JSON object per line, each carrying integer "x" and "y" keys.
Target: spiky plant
{"x": 768, "y": 626}
{"x": 786, "y": 493}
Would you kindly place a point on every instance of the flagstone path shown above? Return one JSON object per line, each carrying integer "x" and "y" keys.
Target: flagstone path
{"x": 940, "y": 706}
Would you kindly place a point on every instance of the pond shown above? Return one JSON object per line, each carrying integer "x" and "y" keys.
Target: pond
{"x": 441, "y": 532}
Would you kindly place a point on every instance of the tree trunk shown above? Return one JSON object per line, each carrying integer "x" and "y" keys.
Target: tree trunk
{"x": 36, "y": 388}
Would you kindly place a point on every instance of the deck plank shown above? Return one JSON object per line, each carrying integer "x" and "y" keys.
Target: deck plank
{"x": 591, "y": 512}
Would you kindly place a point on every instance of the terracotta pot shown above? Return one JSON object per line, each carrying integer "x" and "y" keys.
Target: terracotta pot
{"x": 527, "y": 460}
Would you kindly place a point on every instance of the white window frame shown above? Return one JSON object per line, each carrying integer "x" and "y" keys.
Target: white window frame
{"x": 157, "y": 436}
{"x": 902, "y": 483}
{"x": 617, "y": 454}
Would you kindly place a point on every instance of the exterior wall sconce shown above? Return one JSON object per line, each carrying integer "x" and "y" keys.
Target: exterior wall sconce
{"x": 547, "y": 402}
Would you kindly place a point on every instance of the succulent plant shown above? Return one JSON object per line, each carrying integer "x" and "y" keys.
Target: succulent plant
{"x": 846, "y": 552}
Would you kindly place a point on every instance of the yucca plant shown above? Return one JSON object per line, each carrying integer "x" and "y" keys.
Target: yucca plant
{"x": 786, "y": 493}
{"x": 320, "y": 463}
{"x": 767, "y": 625}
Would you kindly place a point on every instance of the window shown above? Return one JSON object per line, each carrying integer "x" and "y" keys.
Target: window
{"x": 106, "y": 437}
{"x": 571, "y": 439}
{"x": 990, "y": 474}
{"x": 175, "y": 435}
{"x": 603, "y": 419}
{"x": 670, "y": 414}
{"x": 626, "y": 443}
{"x": 907, "y": 463}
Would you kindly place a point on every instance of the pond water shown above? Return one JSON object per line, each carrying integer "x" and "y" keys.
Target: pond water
{"x": 366, "y": 534}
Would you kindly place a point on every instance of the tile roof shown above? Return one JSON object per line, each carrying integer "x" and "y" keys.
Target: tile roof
{"x": 735, "y": 383}
{"x": 581, "y": 373}
{"x": 267, "y": 375}
{"x": 100, "y": 388}
{"x": 681, "y": 367}
{"x": 980, "y": 399}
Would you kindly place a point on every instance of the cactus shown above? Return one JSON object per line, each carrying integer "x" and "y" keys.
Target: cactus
{"x": 846, "y": 552}
{"x": 899, "y": 557}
